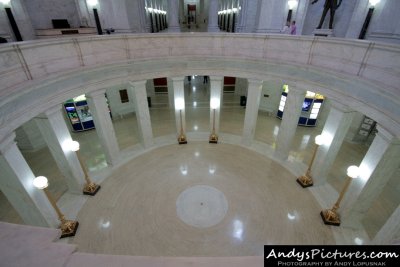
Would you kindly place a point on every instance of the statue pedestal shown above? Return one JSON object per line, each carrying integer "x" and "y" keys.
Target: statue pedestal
{"x": 323, "y": 32}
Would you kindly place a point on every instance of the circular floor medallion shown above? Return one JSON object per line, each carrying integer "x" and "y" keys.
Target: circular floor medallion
{"x": 201, "y": 206}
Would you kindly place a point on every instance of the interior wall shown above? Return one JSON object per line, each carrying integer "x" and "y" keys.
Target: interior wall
{"x": 114, "y": 101}
{"x": 42, "y": 12}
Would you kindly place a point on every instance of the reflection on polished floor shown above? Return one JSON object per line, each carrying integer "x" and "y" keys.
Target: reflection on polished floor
{"x": 135, "y": 212}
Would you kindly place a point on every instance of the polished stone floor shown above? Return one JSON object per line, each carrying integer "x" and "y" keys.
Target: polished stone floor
{"x": 135, "y": 208}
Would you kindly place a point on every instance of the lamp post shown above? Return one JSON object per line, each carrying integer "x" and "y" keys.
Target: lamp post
{"x": 68, "y": 227}
{"x": 292, "y": 4}
{"x": 214, "y": 104}
{"x": 330, "y": 216}
{"x": 367, "y": 20}
{"x": 93, "y": 4}
{"x": 90, "y": 188}
{"x": 306, "y": 179}
{"x": 180, "y": 104}
{"x": 13, "y": 23}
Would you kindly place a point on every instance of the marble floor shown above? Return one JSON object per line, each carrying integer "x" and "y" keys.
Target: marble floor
{"x": 147, "y": 198}
{"x": 137, "y": 209}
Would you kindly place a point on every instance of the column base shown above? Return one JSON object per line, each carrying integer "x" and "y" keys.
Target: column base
{"x": 68, "y": 228}
{"x": 330, "y": 217}
{"x": 305, "y": 181}
{"x": 182, "y": 139}
{"x": 91, "y": 189}
{"x": 213, "y": 139}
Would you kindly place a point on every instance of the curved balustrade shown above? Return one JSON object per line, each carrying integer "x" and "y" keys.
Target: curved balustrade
{"x": 364, "y": 75}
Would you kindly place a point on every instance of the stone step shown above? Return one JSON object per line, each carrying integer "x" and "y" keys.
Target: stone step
{"x": 96, "y": 260}
{"x": 22, "y": 245}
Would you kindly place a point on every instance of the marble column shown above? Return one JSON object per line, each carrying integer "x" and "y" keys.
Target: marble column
{"x": 16, "y": 183}
{"x": 139, "y": 94}
{"x": 378, "y": 166}
{"x": 290, "y": 120}
{"x": 173, "y": 16}
{"x": 250, "y": 117}
{"x": 357, "y": 19}
{"x": 265, "y": 16}
{"x": 55, "y": 133}
{"x": 213, "y": 17}
{"x": 335, "y": 129}
{"x": 389, "y": 231}
{"x": 179, "y": 93}
{"x": 170, "y": 93}
{"x": 104, "y": 128}
{"x": 300, "y": 15}
{"x": 215, "y": 93}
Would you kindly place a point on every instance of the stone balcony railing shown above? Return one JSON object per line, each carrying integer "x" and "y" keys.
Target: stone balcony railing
{"x": 361, "y": 74}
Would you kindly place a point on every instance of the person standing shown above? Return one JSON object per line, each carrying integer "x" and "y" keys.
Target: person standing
{"x": 293, "y": 28}
{"x": 286, "y": 28}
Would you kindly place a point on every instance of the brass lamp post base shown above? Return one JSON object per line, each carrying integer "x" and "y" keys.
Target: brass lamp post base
{"x": 91, "y": 189}
{"x": 213, "y": 139}
{"x": 305, "y": 181}
{"x": 68, "y": 228}
{"x": 330, "y": 217}
{"x": 182, "y": 139}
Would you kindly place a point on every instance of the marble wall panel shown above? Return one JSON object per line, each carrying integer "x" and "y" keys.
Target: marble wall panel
{"x": 243, "y": 47}
{"x": 295, "y": 51}
{"x": 11, "y": 69}
{"x": 50, "y": 58}
{"x": 42, "y": 12}
{"x": 382, "y": 65}
{"x": 336, "y": 56}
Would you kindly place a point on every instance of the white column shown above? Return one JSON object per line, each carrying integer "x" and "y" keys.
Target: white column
{"x": 173, "y": 13}
{"x": 16, "y": 183}
{"x": 213, "y": 17}
{"x": 138, "y": 90}
{"x": 335, "y": 130}
{"x": 215, "y": 93}
{"x": 389, "y": 231}
{"x": 55, "y": 132}
{"x": 301, "y": 12}
{"x": 270, "y": 14}
{"x": 179, "y": 93}
{"x": 357, "y": 19}
{"x": 104, "y": 127}
{"x": 170, "y": 93}
{"x": 376, "y": 169}
{"x": 290, "y": 120}
{"x": 250, "y": 117}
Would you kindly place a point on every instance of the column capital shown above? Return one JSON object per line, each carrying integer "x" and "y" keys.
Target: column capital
{"x": 341, "y": 107}
{"x": 137, "y": 83}
{"x": 7, "y": 142}
{"x": 216, "y": 78}
{"x": 97, "y": 93}
{"x": 254, "y": 82}
{"x": 177, "y": 79}
{"x": 386, "y": 135}
{"x": 51, "y": 111}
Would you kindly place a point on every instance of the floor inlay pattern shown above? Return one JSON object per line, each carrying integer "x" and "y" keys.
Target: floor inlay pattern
{"x": 201, "y": 206}
{"x": 135, "y": 212}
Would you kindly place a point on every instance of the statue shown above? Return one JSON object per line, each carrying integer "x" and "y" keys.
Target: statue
{"x": 331, "y": 5}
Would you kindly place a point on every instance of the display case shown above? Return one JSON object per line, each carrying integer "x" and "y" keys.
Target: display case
{"x": 310, "y": 110}
{"x": 79, "y": 114}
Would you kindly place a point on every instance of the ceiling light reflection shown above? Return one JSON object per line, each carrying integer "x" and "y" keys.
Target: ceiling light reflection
{"x": 238, "y": 230}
